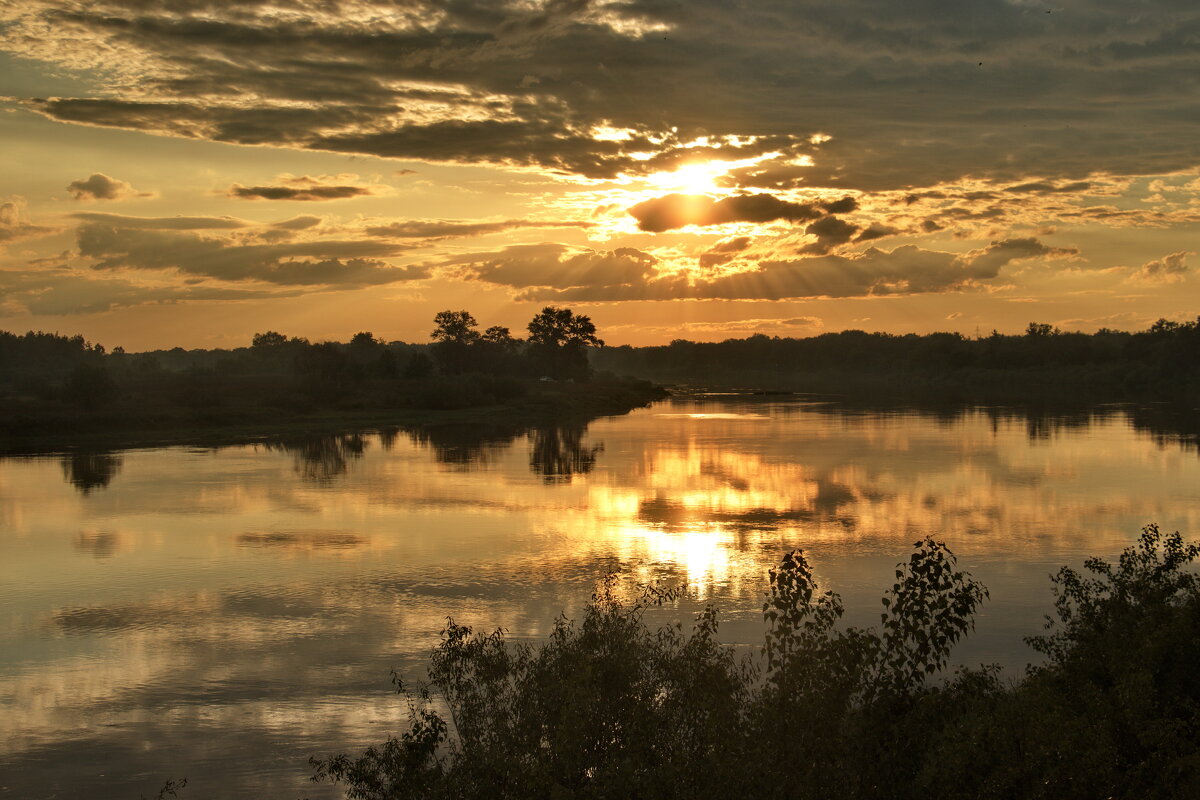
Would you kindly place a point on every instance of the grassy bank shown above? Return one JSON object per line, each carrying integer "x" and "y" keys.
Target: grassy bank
{"x": 609, "y": 707}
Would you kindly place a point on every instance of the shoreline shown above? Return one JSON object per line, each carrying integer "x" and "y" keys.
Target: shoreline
{"x": 557, "y": 405}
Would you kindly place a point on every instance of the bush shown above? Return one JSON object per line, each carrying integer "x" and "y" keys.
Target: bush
{"x": 611, "y": 708}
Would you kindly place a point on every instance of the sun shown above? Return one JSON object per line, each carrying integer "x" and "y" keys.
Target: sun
{"x": 698, "y": 177}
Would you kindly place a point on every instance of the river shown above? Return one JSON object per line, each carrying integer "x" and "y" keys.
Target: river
{"x": 223, "y": 613}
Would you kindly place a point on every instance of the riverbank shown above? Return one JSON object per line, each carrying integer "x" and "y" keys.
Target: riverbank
{"x": 227, "y": 418}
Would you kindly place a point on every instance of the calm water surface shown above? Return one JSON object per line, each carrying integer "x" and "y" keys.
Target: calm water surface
{"x": 222, "y": 614}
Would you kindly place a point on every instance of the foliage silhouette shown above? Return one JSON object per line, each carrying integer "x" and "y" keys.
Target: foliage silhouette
{"x": 1042, "y": 364}
{"x": 610, "y": 707}
{"x": 559, "y": 340}
{"x": 55, "y": 388}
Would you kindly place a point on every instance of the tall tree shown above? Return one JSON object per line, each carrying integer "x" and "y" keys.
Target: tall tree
{"x": 455, "y": 338}
{"x": 559, "y": 339}
{"x": 561, "y": 327}
{"x": 458, "y": 327}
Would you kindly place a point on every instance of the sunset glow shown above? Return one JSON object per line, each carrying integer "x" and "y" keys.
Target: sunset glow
{"x": 178, "y": 174}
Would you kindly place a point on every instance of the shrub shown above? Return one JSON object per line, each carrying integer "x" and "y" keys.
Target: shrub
{"x": 610, "y": 708}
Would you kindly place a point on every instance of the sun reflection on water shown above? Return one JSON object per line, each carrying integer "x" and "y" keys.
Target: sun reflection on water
{"x": 181, "y": 588}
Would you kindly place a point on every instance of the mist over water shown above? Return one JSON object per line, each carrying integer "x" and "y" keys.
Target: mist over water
{"x": 225, "y": 613}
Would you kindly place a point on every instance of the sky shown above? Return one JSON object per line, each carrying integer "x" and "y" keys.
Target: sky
{"x": 191, "y": 172}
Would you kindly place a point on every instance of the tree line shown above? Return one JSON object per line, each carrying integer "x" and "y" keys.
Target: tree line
{"x": 1043, "y": 361}
{"x": 58, "y": 387}
{"x": 557, "y": 345}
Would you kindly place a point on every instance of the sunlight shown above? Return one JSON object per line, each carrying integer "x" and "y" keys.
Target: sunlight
{"x": 695, "y": 178}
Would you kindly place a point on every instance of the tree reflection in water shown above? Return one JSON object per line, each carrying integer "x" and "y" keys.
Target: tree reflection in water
{"x": 464, "y": 446}
{"x": 322, "y": 458}
{"x": 90, "y": 471}
{"x": 558, "y": 451}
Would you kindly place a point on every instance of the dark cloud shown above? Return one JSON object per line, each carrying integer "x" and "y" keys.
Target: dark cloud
{"x": 480, "y": 81}
{"x": 310, "y": 193}
{"x": 101, "y": 187}
{"x": 680, "y": 210}
{"x": 323, "y": 263}
{"x": 1046, "y": 187}
{"x": 997, "y": 254}
{"x": 843, "y": 206}
{"x": 876, "y": 230}
{"x": 724, "y": 252}
{"x": 444, "y": 229}
{"x": 830, "y": 232}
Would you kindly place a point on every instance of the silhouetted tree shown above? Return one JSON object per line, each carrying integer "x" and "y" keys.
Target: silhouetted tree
{"x": 268, "y": 339}
{"x": 559, "y": 338}
{"x": 454, "y": 334}
{"x": 455, "y": 326}
{"x": 561, "y": 326}
{"x": 1040, "y": 329}
{"x": 498, "y": 334}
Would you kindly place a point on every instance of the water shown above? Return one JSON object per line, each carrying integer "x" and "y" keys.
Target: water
{"x": 222, "y": 614}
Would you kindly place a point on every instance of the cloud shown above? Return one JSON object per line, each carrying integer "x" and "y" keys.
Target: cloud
{"x": 680, "y": 210}
{"x": 101, "y": 187}
{"x": 1048, "y": 187}
{"x": 1171, "y": 268}
{"x": 306, "y": 188}
{"x": 830, "y": 232}
{"x": 297, "y": 223}
{"x": 558, "y": 266}
{"x": 997, "y": 254}
{"x": 484, "y": 82}
{"x": 13, "y": 225}
{"x": 444, "y": 229}
{"x": 724, "y": 252}
{"x": 161, "y": 223}
{"x": 314, "y": 263}
{"x": 904, "y": 270}
{"x": 62, "y": 291}
{"x": 877, "y": 230}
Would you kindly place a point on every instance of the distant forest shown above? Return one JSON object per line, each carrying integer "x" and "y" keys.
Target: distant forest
{"x": 52, "y": 384}
{"x": 1042, "y": 364}
{"x": 55, "y": 383}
